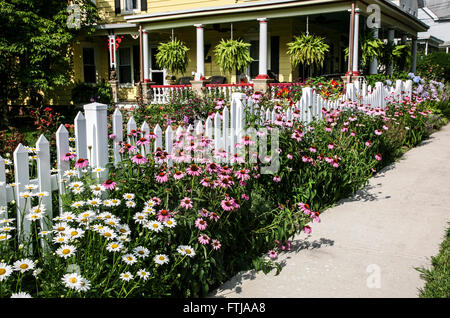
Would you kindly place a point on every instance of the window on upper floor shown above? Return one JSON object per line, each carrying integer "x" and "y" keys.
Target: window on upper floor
{"x": 130, "y": 6}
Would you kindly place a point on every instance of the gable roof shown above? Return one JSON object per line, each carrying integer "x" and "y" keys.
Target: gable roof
{"x": 440, "y": 8}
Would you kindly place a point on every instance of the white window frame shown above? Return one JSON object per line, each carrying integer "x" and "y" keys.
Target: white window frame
{"x": 123, "y": 5}
{"x": 132, "y": 83}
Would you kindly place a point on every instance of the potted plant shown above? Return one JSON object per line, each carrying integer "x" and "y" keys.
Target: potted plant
{"x": 232, "y": 55}
{"x": 172, "y": 56}
{"x": 307, "y": 49}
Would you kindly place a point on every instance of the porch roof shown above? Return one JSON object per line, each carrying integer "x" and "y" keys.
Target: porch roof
{"x": 391, "y": 13}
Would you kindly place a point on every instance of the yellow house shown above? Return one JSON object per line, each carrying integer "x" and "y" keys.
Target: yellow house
{"x": 140, "y": 25}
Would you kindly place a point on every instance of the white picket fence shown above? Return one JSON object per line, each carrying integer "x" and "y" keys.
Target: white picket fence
{"x": 226, "y": 129}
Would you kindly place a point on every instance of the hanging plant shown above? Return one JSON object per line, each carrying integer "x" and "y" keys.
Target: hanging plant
{"x": 370, "y": 49}
{"x": 308, "y": 50}
{"x": 232, "y": 55}
{"x": 173, "y": 56}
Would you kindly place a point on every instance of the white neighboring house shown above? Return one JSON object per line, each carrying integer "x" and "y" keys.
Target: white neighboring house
{"x": 435, "y": 13}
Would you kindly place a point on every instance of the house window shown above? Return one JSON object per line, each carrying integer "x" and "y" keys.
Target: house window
{"x": 254, "y": 53}
{"x": 125, "y": 65}
{"x": 89, "y": 65}
{"x": 130, "y": 6}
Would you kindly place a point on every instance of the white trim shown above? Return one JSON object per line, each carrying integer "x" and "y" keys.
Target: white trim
{"x": 123, "y": 11}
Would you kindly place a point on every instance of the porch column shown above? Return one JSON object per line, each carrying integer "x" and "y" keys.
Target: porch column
{"x": 262, "y": 48}
{"x": 391, "y": 35}
{"x": 374, "y": 62}
{"x": 426, "y": 47}
{"x": 356, "y": 44}
{"x": 146, "y": 56}
{"x": 113, "y": 65}
{"x": 351, "y": 38}
{"x": 414, "y": 55}
{"x": 200, "y": 52}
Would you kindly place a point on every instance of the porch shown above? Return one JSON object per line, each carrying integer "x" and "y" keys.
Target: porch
{"x": 131, "y": 47}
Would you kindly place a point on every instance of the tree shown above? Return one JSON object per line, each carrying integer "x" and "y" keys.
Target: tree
{"x": 35, "y": 46}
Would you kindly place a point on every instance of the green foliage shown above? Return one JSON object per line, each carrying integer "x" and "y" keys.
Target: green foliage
{"x": 232, "y": 55}
{"x": 437, "y": 278}
{"x": 435, "y": 65}
{"x": 380, "y": 77}
{"x": 173, "y": 56}
{"x": 84, "y": 93}
{"x": 35, "y": 47}
{"x": 308, "y": 50}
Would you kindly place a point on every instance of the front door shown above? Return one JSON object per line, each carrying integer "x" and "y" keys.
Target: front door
{"x": 156, "y": 73}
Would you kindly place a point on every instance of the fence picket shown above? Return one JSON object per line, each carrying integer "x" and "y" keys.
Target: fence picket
{"x": 117, "y": 127}
{"x": 45, "y": 184}
{"x": 62, "y": 147}
{"x": 3, "y": 197}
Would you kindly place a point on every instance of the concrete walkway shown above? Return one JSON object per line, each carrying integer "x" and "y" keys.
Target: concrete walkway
{"x": 368, "y": 245}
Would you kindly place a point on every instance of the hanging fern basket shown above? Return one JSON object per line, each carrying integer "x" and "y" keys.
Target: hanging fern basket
{"x": 172, "y": 56}
{"x": 232, "y": 55}
{"x": 307, "y": 50}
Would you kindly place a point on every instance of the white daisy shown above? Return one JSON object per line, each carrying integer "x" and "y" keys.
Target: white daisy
{"x": 124, "y": 229}
{"x": 94, "y": 202}
{"x": 72, "y": 280}
{"x": 143, "y": 274}
{"x": 129, "y": 259}
{"x": 98, "y": 169}
{"x": 4, "y": 237}
{"x": 170, "y": 223}
{"x": 124, "y": 238}
{"x": 141, "y": 252}
{"x": 31, "y": 187}
{"x": 60, "y": 227}
{"x": 26, "y": 195}
{"x": 97, "y": 189}
{"x": 154, "y": 226}
{"x": 161, "y": 259}
{"x": 77, "y": 190}
{"x": 5, "y": 271}
{"x": 68, "y": 216}
{"x": 42, "y": 194}
{"x": 24, "y": 265}
{"x": 44, "y": 233}
{"x": 126, "y": 276}
{"x": 8, "y": 162}
{"x": 6, "y": 228}
{"x": 71, "y": 138}
{"x": 85, "y": 285}
{"x": 21, "y": 295}
{"x": 60, "y": 239}
{"x": 148, "y": 210}
{"x": 150, "y": 203}
{"x": 186, "y": 250}
{"x": 140, "y": 218}
{"x": 108, "y": 233}
{"x": 74, "y": 233}
{"x": 115, "y": 202}
{"x": 70, "y": 173}
{"x": 114, "y": 247}
{"x": 106, "y": 215}
{"x": 112, "y": 222}
{"x": 38, "y": 209}
{"x": 34, "y": 216}
{"x": 107, "y": 203}
{"x": 130, "y": 204}
{"x": 77, "y": 204}
{"x": 66, "y": 251}
{"x": 128, "y": 196}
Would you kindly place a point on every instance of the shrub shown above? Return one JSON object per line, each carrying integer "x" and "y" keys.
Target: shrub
{"x": 84, "y": 93}
{"x": 435, "y": 65}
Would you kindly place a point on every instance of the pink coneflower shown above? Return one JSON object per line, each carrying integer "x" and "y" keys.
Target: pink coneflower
{"x": 212, "y": 167}
{"x": 378, "y": 157}
{"x": 151, "y": 135}
{"x": 236, "y": 158}
{"x": 216, "y": 244}
{"x": 247, "y": 140}
{"x": 307, "y": 229}
{"x": 227, "y": 204}
{"x": 68, "y": 156}
{"x": 178, "y": 175}
{"x": 109, "y": 184}
{"x": 129, "y": 148}
{"x": 368, "y": 143}
{"x": 277, "y": 178}
{"x": 204, "y": 213}
{"x": 163, "y": 215}
{"x": 245, "y": 197}
{"x": 297, "y": 135}
{"x": 194, "y": 170}
{"x": 143, "y": 141}
{"x": 139, "y": 159}
{"x": 186, "y": 203}
{"x": 273, "y": 254}
{"x": 203, "y": 239}
{"x": 330, "y": 145}
{"x": 315, "y": 217}
{"x": 162, "y": 177}
{"x": 242, "y": 174}
{"x": 214, "y": 216}
{"x": 205, "y": 182}
{"x": 201, "y": 224}
{"x": 226, "y": 182}
{"x": 328, "y": 129}
{"x": 112, "y": 136}
{"x": 353, "y": 134}
{"x": 156, "y": 200}
{"x": 378, "y": 132}
{"x": 289, "y": 156}
{"x": 133, "y": 132}
{"x": 81, "y": 163}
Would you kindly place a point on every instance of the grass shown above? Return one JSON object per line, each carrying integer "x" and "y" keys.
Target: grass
{"x": 437, "y": 279}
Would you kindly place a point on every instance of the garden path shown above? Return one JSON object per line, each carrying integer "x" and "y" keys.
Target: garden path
{"x": 367, "y": 245}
